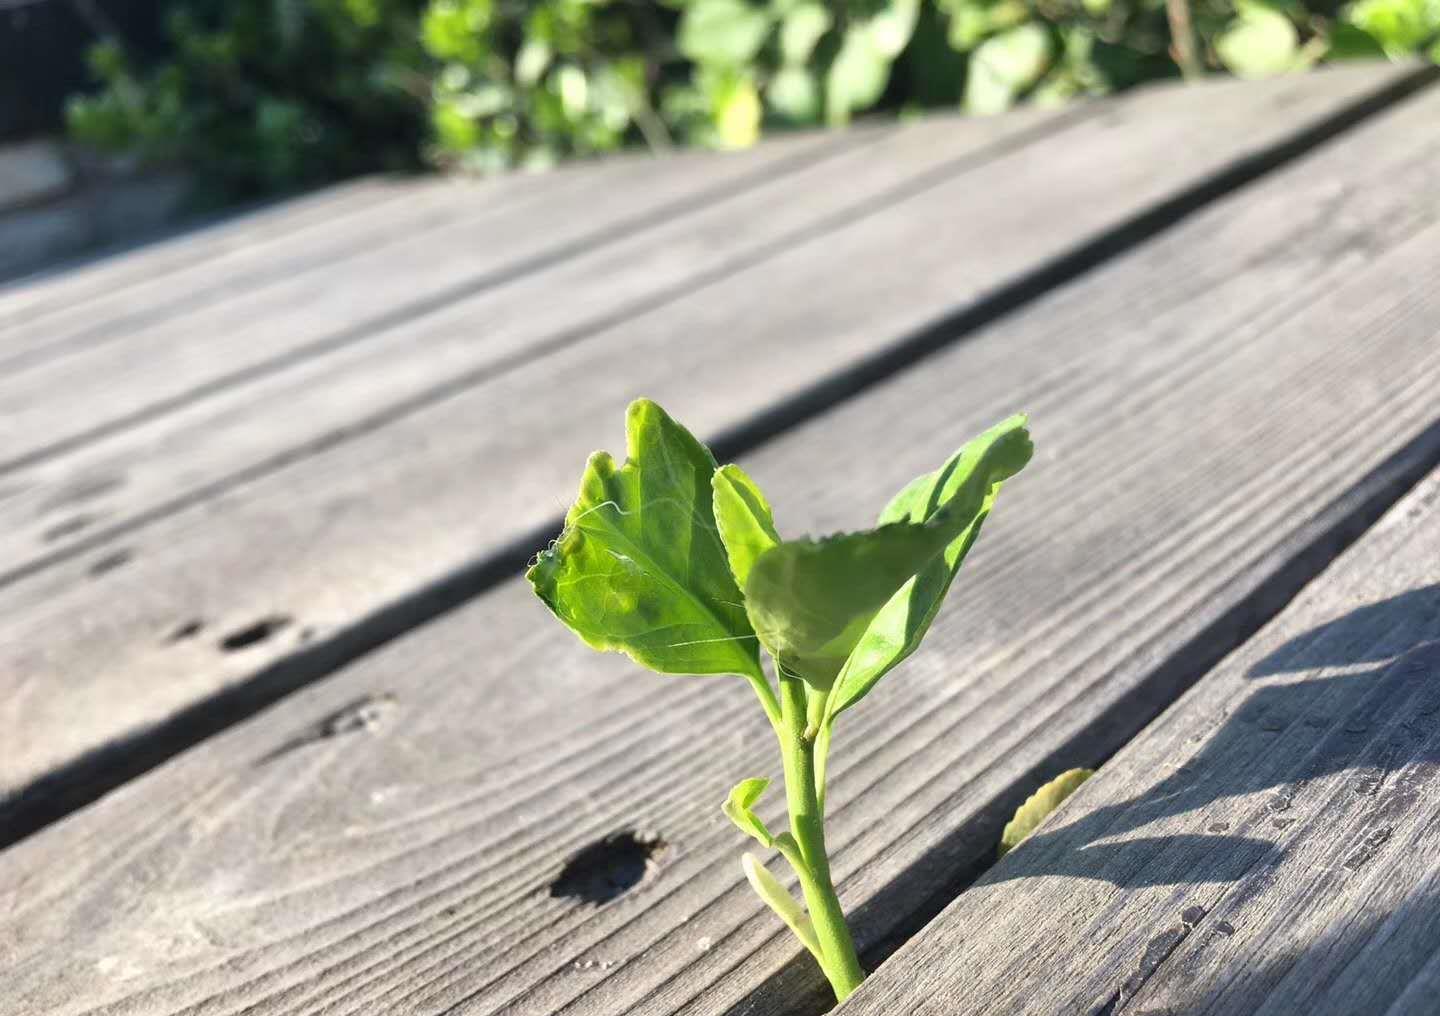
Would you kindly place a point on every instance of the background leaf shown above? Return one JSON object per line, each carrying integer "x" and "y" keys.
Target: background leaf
{"x": 861, "y": 69}
{"x": 1261, "y": 42}
{"x": 795, "y": 94}
{"x": 1004, "y": 66}
{"x": 891, "y": 28}
{"x": 857, "y": 77}
{"x": 1399, "y": 26}
{"x": 640, "y": 567}
{"x": 801, "y": 30}
{"x": 737, "y": 114}
{"x": 725, "y": 33}
{"x": 1347, "y": 42}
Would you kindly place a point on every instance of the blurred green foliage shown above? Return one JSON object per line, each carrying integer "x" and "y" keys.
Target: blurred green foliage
{"x": 261, "y": 96}
{"x": 264, "y": 95}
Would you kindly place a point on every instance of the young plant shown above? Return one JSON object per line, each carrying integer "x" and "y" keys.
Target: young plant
{"x": 677, "y": 563}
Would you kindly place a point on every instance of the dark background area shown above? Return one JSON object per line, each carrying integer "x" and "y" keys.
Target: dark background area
{"x": 42, "y": 54}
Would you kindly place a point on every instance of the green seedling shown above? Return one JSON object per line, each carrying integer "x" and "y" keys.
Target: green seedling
{"x": 677, "y": 563}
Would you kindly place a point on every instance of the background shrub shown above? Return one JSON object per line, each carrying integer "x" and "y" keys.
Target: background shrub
{"x": 259, "y": 96}
{"x": 264, "y": 95}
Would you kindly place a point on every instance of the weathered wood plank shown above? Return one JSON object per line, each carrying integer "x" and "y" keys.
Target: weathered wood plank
{"x": 462, "y": 239}
{"x": 1214, "y": 409}
{"x": 1267, "y": 847}
{"x": 173, "y": 459}
{"x": 67, "y": 310}
{"x": 62, "y": 291}
{"x": 331, "y": 534}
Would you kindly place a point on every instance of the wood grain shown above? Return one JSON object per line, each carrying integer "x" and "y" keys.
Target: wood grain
{"x": 69, "y": 292}
{"x": 1216, "y": 410}
{"x": 348, "y": 538}
{"x": 200, "y": 274}
{"x": 257, "y": 425}
{"x": 1268, "y": 846}
{"x": 452, "y": 241}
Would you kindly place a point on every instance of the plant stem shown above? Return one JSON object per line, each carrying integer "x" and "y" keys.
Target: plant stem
{"x": 820, "y": 752}
{"x": 766, "y": 694}
{"x": 840, "y": 963}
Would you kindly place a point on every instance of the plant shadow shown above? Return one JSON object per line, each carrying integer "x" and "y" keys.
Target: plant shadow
{"x": 1360, "y": 693}
{"x": 1319, "y": 704}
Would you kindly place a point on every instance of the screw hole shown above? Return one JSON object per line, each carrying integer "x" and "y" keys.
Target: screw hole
{"x": 244, "y": 638}
{"x": 611, "y": 867}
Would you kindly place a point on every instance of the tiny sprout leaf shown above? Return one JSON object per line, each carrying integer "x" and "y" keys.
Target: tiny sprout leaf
{"x": 1040, "y": 804}
{"x": 640, "y": 567}
{"x": 967, "y": 485}
{"x": 812, "y": 602}
{"x": 738, "y": 808}
{"x": 743, "y": 517}
{"x": 769, "y": 889}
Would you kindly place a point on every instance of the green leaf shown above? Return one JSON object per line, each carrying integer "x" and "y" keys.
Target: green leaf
{"x": 738, "y": 807}
{"x": 801, "y": 30}
{"x": 861, "y": 69}
{"x": 1259, "y": 43}
{"x": 968, "y": 25}
{"x": 743, "y": 517}
{"x": 1003, "y": 66}
{"x": 1399, "y": 26}
{"x": 457, "y": 29}
{"x": 574, "y": 90}
{"x": 532, "y": 61}
{"x": 794, "y": 93}
{"x": 1347, "y": 42}
{"x": 640, "y": 567}
{"x": 737, "y": 114}
{"x": 1040, "y": 804}
{"x": 891, "y": 29}
{"x": 811, "y": 602}
{"x": 968, "y": 484}
{"x": 769, "y": 889}
{"x": 856, "y": 78}
{"x": 724, "y": 33}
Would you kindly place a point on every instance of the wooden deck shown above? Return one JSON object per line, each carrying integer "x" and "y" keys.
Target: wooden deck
{"x": 283, "y": 732}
